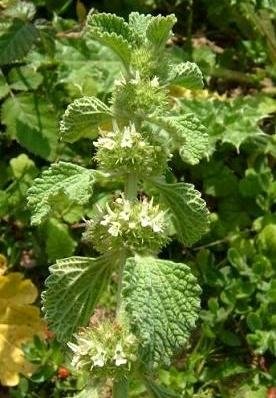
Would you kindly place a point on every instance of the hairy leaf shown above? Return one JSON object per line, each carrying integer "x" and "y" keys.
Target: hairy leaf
{"x": 73, "y": 288}
{"x": 162, "y": 301}
{"x": 19, "y": 322}
{"x": 230, "y": 120}
{"x": 16, "y": 40}
{"x": 113, "y": 32}
{"x": 139, "y": 23}
{"x": 159, "y": 29}
{"x": 31, "y": 121}
{"x": 74, "y": 181}
{"x": 189, "y": 212}
{"x": 189, "y": 135}
{"x": 82, "y": 119}
{"x": 186, "y": 74}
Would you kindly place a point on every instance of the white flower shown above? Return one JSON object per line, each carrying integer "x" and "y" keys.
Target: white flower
{"x": 137, "y": 78}
{"x": 107, "y": 143}
{"x": 132, "y": 225}
{"x": 156, "y": 226}
{"x": 154, "y": 82}
{"x": 73, "y": 347}
{"x": 106, "y": 220}
{"x": 127, "y": 138}
{"x": 114, "y": 229}
{"x": 119, "y": 357}
{"x": 99, "y": 359}
{"x": 120, "y": 82}
{"x": 145, "y": 220}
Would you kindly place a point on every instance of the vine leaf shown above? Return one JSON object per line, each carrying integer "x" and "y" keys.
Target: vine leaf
{"x": 186, "y": 74}
{"x": 190, "y": 215}
{"x": 82, "y": 118}
{"x": 72, "y": 181}
{"x": 189, "y": 135}
{"x": 162, "y": 301}
{"x": 159, "y": 29}
{"x": 16, "y": 40}
{"x": 73, "y": 288}
{"x": 111, "y": 31}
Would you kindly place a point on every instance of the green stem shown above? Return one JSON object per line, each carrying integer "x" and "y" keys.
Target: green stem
{"x": 131, "y": 187}
{"x": 120, "y": 388}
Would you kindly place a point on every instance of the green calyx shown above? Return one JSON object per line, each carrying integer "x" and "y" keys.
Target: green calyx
{"x": 129, "y": 151}
{"x": 136, "y": 98}
{"x": 138, "y": 226}
{"x": 148, "y": 63}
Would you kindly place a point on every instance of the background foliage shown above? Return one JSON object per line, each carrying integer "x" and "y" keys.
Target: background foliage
{"x": 45, "y": 65}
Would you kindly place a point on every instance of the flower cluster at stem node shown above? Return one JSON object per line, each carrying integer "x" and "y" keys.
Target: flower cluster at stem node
{"x": 105, "y": 349}
{"x": 138, "y": 226}
{"x": 129, "y": 151}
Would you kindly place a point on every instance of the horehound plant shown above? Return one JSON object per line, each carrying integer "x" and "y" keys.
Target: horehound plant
{"x": 135, "y": 136}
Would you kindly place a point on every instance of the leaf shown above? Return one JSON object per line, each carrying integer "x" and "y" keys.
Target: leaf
{"x": 139, "y": 23}
{"x": 159, "y": 391}
{"x": 73, "y": 288}
{"x": 111, "y": 31}
{"x": 59, "y": 242}
{"x": 22, "y": 166}
{"x": 162, "y": 301}
{"x": 159, "y": 29}
{"x": 82, "y": 119}
{"x": 74, "y": 181}
{"x": 189, "y": 135}
{"x": 16, "y": 40}
{"x": 186, "y": 74}
{"x": 190, "y": 215}
{"x": 19, "y": 322}
{"x": 4, "y": 87}
{"x": 31, "y": 121}
{"x": 25, "y": 78}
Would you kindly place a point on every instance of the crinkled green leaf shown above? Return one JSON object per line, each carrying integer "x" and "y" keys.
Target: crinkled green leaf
{"x": 113, "y": 32}
{"x": 189, "y": 135}
{"x": 186, "y": 74}
{"x": 159, "y": 29}
{"x": 32, "y": 122}
{"x": 232, "y": 120}
{"x": 72, "y": 291}
{"x": 16, "y": 40}
{"x": 190, "y": 215}
{"x": 59, "y": 242}
{"x": 82, "y": 119}
{"x": 162, "y": 301}
{"x": 139, "y": 23}
{"x": 74, "y": 181}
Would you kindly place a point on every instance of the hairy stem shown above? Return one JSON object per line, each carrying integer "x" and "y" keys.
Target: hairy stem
{"x": 120, "y": 388}
{"x": 131, "y": 187}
